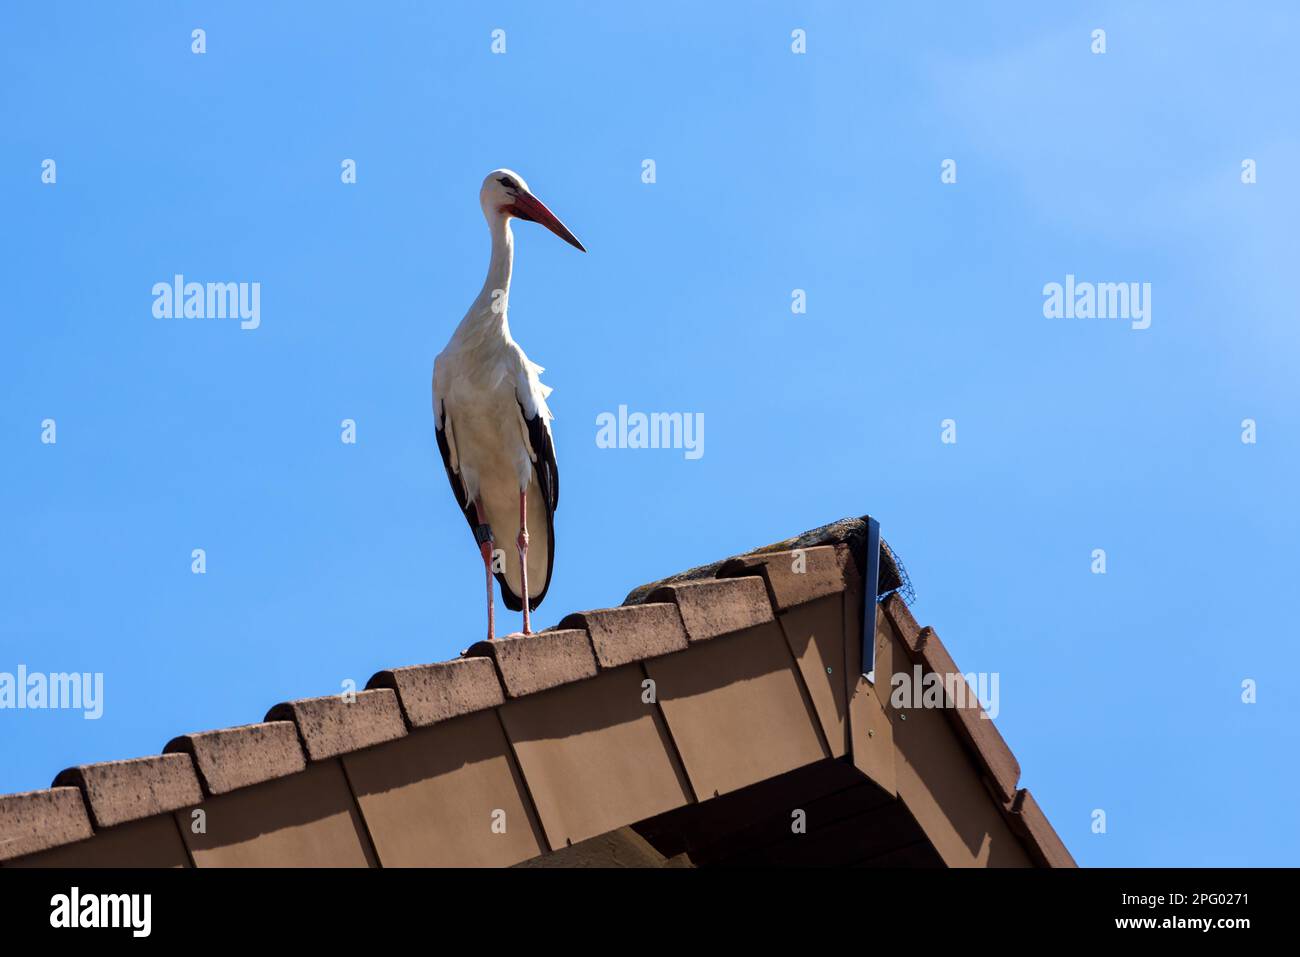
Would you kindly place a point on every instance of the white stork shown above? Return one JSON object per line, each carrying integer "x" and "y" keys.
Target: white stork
{"x": 489, "y": 406}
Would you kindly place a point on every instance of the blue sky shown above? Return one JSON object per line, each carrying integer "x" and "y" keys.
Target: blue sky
{"x": 775, "y": 172}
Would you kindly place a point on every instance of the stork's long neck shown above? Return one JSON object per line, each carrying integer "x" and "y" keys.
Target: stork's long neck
{"x": 503, "y": 258}
{"x": 488, "y": 314}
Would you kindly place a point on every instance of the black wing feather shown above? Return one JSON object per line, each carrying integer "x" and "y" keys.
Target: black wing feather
{"x": 548, "y": 480}
{"x": 457, "y": 486}
{"x": 548, "y": 473}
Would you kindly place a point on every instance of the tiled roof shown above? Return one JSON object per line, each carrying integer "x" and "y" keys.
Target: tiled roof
{"x": 736, "y": 679}
{"x": 848, "y": 533}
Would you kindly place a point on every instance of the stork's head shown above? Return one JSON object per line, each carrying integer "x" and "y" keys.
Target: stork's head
{"x": 505, "y": 193}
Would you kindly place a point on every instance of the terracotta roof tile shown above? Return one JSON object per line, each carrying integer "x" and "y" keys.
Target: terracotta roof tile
{"x": 901, "y": 616}
{"x": 332, "y": 725}
{"x": 119, "y": 791}
{"x": 1045, "y": 845}
{"x": 978, "y": 731}
{"x": 658, "y": 621}
{"x": 851, "y": 533}
{"x": 795, "y": 577}
{"x": 35, "y": 820}
{"x": 631, "y": 633}
{"x": 718, "y": 607}
{"x": 531, "y": 663}
{"x": 233, "y": 758}
{"x": 432, "y": 693}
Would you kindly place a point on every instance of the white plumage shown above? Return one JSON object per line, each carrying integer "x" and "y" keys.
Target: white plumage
{"x": 489, "y": 406}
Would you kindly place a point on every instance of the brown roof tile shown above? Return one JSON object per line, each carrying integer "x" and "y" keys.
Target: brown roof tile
{"x": 658, "y": 621}
{"x": 233, "y": 758}
{"x": 532, "y": 663}
{"x": 432, "y": 693}
{"x": 631, "y": 633}
{"x": 119, "y": 791}
{"x": 1044, "y": 844}
{"x": 901, "y": 616}
{"x": 35, "y": 820}
{"x": 332, "y": 725}
{"x": 851, "y": 533}
{"x": 978, "y": 731}
{"x": 717, "y": 607}
{"x": 795, "y": 577}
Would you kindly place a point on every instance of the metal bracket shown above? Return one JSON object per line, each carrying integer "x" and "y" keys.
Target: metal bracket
{"x": 870, "y": 587}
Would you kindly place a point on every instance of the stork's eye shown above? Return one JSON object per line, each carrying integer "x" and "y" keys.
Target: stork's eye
{"x": 508, "y": 183}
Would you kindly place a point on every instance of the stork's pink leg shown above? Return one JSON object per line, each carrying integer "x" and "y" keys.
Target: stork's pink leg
{"x": 522, "y": 543}
{"x": 484, "y": 534}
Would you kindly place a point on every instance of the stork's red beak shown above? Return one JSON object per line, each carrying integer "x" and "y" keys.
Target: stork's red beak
{"x": 529, "y": 207}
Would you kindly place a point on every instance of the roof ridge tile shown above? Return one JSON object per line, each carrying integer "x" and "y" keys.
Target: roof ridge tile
{"x": 630, "y": 633}
{"x": 336, "y": 724}
{"x": 796, "y": 576}
{"x": 974, "y": 725}
{"x": 227, "y": 759}
{"x": 1032, "y": 825}
{"x": 717, "y": 606}
{"x": 32, "y": 821}
{"x": 898, "y": 612}
{"x": 547, "y": 659}
{"x": 850, "y": 533}
{"x": 442, "y": 690}
{"x": 116, "y": 792}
